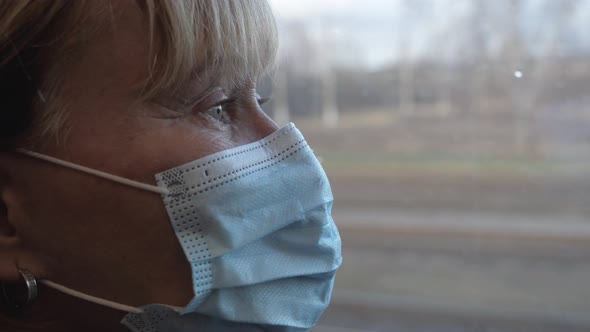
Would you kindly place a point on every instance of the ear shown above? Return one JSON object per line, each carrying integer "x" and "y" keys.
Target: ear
{"x": 6, "y": 229}
{"x": 14, "y": 255}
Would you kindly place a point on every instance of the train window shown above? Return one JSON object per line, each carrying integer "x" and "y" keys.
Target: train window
{"x": 456, "y": 134}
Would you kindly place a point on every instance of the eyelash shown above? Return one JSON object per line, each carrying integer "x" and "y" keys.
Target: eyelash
{"x": 262, "y": 101}
{"x": 220, "y": 105}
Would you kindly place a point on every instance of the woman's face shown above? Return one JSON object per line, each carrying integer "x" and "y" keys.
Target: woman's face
{"x": 97, "y": 236}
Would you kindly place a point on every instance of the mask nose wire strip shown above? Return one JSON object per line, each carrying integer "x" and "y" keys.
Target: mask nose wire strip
{"x": 111, "y": 177}
{"x": 90, "y": 298}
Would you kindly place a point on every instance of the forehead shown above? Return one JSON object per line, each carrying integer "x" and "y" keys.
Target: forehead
{"x": 114, "y": 58}
{"x": 160, "y": 46}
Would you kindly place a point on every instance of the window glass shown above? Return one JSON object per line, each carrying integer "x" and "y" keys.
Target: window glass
{"x": 456, "y": 135}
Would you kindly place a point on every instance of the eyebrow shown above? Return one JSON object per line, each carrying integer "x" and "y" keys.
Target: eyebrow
{"x": 186, "y": 96}
{"x": 196, "y": 99}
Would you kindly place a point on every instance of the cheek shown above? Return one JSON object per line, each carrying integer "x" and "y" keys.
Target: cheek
{"x": 162, "y": 148}
{"x": 105, "y": 238}
{"x": 83, "y": 215}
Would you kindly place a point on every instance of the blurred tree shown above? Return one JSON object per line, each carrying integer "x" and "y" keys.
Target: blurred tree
{"x": 406, "y": 84}
{"x": 330, "y": 113}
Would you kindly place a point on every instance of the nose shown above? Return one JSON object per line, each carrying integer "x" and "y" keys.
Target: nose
{"x": 255, "y": 125}
{"x": 263, "y": 124}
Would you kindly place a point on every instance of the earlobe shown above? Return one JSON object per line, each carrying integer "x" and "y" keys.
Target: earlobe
{"x": 9, "y": 243}
{"x": 14, "y": 257}
{"x": 13, "y": 254}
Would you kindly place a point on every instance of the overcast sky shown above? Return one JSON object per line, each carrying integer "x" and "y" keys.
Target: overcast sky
{"x": 379, "y": 29}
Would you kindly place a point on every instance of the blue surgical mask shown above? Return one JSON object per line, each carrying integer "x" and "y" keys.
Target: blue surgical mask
{"x": 255, "y": 225}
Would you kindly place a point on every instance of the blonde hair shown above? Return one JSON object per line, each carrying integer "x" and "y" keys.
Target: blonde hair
{"x": 231, "y": 40}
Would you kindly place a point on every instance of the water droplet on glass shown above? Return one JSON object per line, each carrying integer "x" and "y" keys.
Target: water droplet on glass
{"x": 518, "y": 74}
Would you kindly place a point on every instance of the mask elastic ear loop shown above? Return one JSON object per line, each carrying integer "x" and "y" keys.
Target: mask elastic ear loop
{"x": 90, "y": 298}
{"x": 111, "y": 177}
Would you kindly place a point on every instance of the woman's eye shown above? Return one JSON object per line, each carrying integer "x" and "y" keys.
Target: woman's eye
{"x": 216, "y": 112}
{"x": 261, "y": 101}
